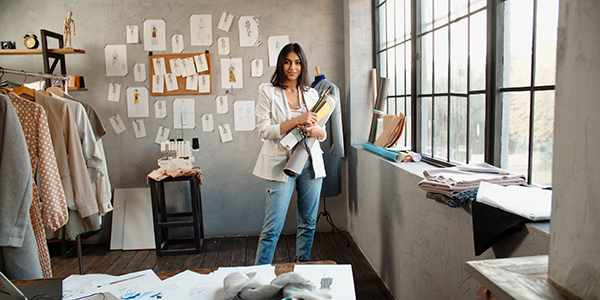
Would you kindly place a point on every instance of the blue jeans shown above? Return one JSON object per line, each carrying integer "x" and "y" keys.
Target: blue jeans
{"x": 277, "y": 202}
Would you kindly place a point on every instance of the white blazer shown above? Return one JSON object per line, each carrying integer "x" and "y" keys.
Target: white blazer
{"x": 271, "y": 111}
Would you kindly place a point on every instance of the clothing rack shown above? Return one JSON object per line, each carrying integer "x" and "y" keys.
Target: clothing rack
{"x": 38, "y": 75}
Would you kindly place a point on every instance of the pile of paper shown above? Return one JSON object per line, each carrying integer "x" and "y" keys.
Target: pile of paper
{"x": 393, "y": 126}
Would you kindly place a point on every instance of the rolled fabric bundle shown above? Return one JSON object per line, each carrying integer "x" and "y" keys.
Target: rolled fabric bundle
{"x": 389, "y": 154}
{"x": 299, "y": 155}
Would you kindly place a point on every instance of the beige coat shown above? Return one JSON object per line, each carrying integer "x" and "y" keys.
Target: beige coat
{"x": 272, "y": 110}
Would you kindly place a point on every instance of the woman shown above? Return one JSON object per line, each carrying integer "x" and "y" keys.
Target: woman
{"x": 283, "y": 104}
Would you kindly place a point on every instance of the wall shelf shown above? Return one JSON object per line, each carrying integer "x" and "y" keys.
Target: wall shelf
{"x": 40, "y": 51}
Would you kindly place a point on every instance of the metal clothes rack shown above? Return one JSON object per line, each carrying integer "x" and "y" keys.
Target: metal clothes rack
{"x": 27, "y": 74}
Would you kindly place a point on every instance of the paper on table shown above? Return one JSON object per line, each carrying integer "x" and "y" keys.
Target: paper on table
{"x": 335, "y": 278}
{"x": 531, "y": 203}
{"x": 76, "y": 286}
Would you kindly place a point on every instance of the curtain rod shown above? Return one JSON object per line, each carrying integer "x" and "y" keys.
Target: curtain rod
{"x": 25, "y": 73}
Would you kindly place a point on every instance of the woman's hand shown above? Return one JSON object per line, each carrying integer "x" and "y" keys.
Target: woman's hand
{"x": 315, "y": 130}
{"x": 307, "y": 118}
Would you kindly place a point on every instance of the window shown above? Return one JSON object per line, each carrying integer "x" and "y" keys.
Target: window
{"x": 475, "y": 79}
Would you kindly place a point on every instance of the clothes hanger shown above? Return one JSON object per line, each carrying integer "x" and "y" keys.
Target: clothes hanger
{"x": 56, "y": 91}
{"x": 24, "y": 91}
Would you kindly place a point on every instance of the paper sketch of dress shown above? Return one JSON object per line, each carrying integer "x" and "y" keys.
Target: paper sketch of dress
{"x": 232, "y": 73}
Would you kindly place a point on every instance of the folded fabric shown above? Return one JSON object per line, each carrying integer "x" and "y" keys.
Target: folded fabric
{"x": 254, "y": 286}
{"x": 527, "y": 202}
{"x": 491, "y": 224}
{"x": 160, "y": 174}
{"x": 453, "y": 180}
{"x": 456, "y": 201}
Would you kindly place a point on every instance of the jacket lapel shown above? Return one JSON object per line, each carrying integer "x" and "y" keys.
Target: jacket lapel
{"x": 280, "y": 102}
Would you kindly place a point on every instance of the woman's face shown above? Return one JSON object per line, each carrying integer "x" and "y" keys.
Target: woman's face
{"x": 292, "y": 66}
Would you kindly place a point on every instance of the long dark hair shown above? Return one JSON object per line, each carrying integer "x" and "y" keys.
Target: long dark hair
{"x": 278, "y": 78}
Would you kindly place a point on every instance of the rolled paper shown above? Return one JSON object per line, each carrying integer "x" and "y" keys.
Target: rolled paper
{"x": 389, "y": 154}
{"x": 379, "y": 105}
{"x": 323, "y": 107}
{"x": 297, "y": 159}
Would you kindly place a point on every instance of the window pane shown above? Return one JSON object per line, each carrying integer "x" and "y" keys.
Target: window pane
{"x": 391, "y": 106}
{"x": 547, "y": 27}
{"x": 408, "y": 18}
{"x": 400, "y": 70}
{"x": 518, "y": 36}
{"x": 458, "y": 8}
{"x": 458, "y": 130}
{"x": 401, "y": 31}
{"x": 408, "y": 126}
{"x": 383, "y": 64}
{"x": 390, "y": 21}
{"x": 426, "y": 64}
{"x": 459, "y": 54}
{"x": 543, "y": 138}
{"x": 477, "y": 4}
{"x": 426, "y": 15}
{"x": 440, "y": 127}
{"x": 440, "y": 13}
{"x": 391, "y": 70}
{"x": 518, "y": 131}
{"x": 426, "y": 126}
{"x": 478, "y": 50}
{"x": 381, "y": 28}
{"x": 441, "y": 60}
{"x": 476, "y": 128}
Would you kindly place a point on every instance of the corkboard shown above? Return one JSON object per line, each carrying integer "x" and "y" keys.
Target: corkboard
{"x": 181, "y": 81}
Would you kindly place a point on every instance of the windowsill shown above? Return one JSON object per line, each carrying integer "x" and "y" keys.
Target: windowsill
{"x": 417, "y": 168}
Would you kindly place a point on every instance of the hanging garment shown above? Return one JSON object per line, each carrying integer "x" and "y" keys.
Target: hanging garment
{"x": 333, "y": 146}
{"x": 93, "y": 151}
{"x": 93, "y": 116}
{"x": 48, "y": 189}
{"x": 69, "y": 155}
{"x": 18, "y": 251}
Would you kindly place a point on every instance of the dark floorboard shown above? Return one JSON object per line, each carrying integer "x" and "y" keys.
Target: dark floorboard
{"x": 225, "y": 252}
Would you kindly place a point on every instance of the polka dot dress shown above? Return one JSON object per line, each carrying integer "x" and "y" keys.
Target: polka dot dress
{"x": 50, "y": 194}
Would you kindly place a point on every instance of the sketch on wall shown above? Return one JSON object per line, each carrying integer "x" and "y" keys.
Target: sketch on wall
{"x": 249, "y": 27}
{"x": 160, "y": 109}
{"x": 204, "y": 84}
{"x": 276, "y": 43}
{"x": 177, "y": 43}
{"x": 158, "y": 83}
{"x": 223, "y": 43}
{"x": 159, "y": 66}
{"x": 117, "y": 123}
{"x": 139, "y": 72}
{"x": 225, "y": 21}
{"x": 132, "y": 34}
{"x": 225, "y": 133}
{"x": 114, "y": 92}
{"x": 231, "y": 73}
{"x": 183, "y": 113}
{"x": 137, "y": 102}
{"x": 201, "y": 30}
{"x": 155, "y": 38}
{"x": 139, "y": 129}
{"x": 221, "y": 102}
{"x": 115, "y": 59}
{"x": 191, "y": 82}
{"x": 162, "y": 135}
{"x": 201, "y": 63}
{"x": 244, "y": 115}
{"x": 208, "y": 123}
{"x": 256, "y": 65}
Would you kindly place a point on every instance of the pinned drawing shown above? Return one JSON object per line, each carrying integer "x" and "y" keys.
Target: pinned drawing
{"x": 183, "y": 114}
{"x": 139, "y": 128}
{"x": 117, "y": 123}
{"x": 159, "y": 66}
{"x": 114, "y": 92}
{"x": 225, "y": 21}
{"x": 231, "y": 73}
{"x": 207, "y": 123}
{"x": 257, "y": 67}
{"x": 222, "y": 107}
{"x": 162, "y": 135}
{"x": 249, "y": 28}
{"x": 201, "y": 30}
{"x": 276, "y": 43}
{"x": 204, "y": 84}
{"x": 139, "y": 72}
{"x": 244, "y": 116}
{"x": 137, "y": 102}
{"x": 155, "y": 38}
{"x": 177, "y": 43}
{"x": 201, "y": 63}
{"x": 171, "y": 81}
{"x": 115, "y": 59}
{"x": 187, "y": 67}
{"x": 158, "y": 83}
{"x": 132, "y": 34}
{"x": 225, "y": 133}
{"x": 160, "y": 109}
{"x": 191, "y": 82}
{"x": 175, "y": 64}
{"x": 223, "y": 43}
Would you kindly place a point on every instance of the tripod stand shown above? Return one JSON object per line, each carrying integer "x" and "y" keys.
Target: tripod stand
{"x": 327, "y": 216}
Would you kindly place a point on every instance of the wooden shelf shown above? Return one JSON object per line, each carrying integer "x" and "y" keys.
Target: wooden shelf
{"x": 39, "y": 51}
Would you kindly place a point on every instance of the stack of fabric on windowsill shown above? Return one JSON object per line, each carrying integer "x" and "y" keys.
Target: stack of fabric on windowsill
{"x": 456, "y": 185}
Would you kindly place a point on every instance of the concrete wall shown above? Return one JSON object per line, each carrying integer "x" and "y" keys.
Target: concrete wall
{"x": 232, "y": 196}
{"x": 575, "y": 243}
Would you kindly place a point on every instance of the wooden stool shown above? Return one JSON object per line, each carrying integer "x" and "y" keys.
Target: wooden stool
{"x": 162, "y": 223}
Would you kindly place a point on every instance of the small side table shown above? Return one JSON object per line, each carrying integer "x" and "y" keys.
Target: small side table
{"x": 161, "y": 217}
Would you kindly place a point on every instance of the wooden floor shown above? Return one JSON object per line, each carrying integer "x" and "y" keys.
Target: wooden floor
{"x": 225, "y": 252}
